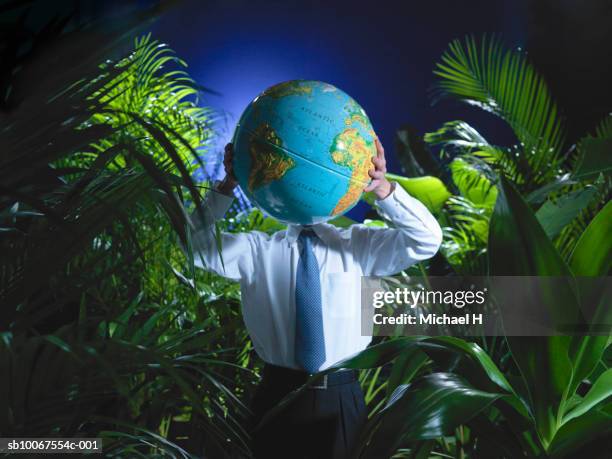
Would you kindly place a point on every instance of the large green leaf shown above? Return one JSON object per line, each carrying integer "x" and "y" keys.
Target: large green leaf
{"x": 428, "y": 408}
{"x": 476, "y": 354}
{"x": 431, "y": 191}
{"x": 600, "y": 391}
{"x": 555, "y": 214}
{"x": 539, "y": 195}
{"x": 495, "y": 442}
{"x": 592, "y": 255}
{"x": 480, "y": 370}
{"x": 595, "y": 158}
{"x": 375, "y": 356}
{"x": 586, "y": 351}
{"x": 342, "y": 221}
{"x": 405, "y": 368}
{"x": 581, "y": 430}
{"x": 518, "y": 246}
{"x": 551, "y": 367}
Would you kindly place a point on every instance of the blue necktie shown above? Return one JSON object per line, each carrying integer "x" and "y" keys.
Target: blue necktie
{"x": 309, "y": 338}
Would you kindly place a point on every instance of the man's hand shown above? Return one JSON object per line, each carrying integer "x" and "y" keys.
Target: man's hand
{"x": 229, "y": 182}
{"x": 379, "y": 185}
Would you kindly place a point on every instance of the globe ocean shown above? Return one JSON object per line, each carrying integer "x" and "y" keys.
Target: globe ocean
{"x": 302, "y": 151}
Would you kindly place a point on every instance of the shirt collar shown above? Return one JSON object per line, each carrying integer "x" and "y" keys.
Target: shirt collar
{"x": 293, "y": 231}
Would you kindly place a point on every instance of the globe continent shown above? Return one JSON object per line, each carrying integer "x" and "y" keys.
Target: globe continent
{"x": 302, "y": 151}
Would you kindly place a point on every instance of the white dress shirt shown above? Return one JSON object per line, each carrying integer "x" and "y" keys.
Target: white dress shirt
{"x": 265, "y": 265}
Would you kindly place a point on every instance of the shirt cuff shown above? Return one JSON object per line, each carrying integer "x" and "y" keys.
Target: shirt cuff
{"x": 395, "y": 206}
{"x": 393, "y": 184}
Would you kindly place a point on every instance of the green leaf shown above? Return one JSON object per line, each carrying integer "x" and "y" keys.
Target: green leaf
{"x": 255, "y": 220}
{"x": 585, "y": 352}
{"x": 581, "y": 430}
{"x": 595, "y": 158}
{"x": 539, "y": 196}
{"x": 474, "y": 353}
{"x": 472, "y": 183}
{"x": 342, "y": 221}
{"x": 431, "y": 191}
{"x": 518, "y": 246}
{"x": 480, "y": 370}
{"x": 592, "y": 255}
{"x": 375, "y": 223}
{"x": 600, "y": 391}
{"x": 555, "y": 214}
{"x": 375, "y": 356}
{"x": 405, "y": 368}
{"x": 429, "y": 408}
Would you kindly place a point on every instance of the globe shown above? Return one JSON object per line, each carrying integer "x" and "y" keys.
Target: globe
{"x": 302, "y": 151}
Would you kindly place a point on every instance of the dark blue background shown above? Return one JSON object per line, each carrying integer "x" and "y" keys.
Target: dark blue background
{"x": 381, "y": 53}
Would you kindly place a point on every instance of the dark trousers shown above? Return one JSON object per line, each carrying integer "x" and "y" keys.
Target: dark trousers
{"x": 320, "y": 423}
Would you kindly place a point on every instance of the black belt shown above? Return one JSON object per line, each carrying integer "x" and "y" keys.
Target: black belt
{"x": 273, "y": 374}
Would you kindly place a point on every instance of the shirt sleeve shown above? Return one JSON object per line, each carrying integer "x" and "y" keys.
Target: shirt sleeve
{"x": 415, "y": 235}
{"x": 232, "y": 258}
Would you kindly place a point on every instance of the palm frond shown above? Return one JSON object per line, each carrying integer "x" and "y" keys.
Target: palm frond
{"x": 503, "y": 82}
{"x": 570, "y": 234}
{"x": 593, "y": 152}
{"x": 465, "y": 236}
{"x": 457, "y": 136}
{"x": 604, "y": 128}
{"x": 475, "y": 180}
{"x": 460, "y": 138}
{"x": 590, "y": 166}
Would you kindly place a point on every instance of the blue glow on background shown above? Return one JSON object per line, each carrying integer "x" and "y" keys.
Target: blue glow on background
{"x": 380, "y": 53}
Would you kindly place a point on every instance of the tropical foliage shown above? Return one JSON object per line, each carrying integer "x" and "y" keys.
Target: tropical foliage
{"x": 105, "y": 330}
{"x": 530, "y": 210}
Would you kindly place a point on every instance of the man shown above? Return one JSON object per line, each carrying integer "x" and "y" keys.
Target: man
{"x": 301, "y": 303}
